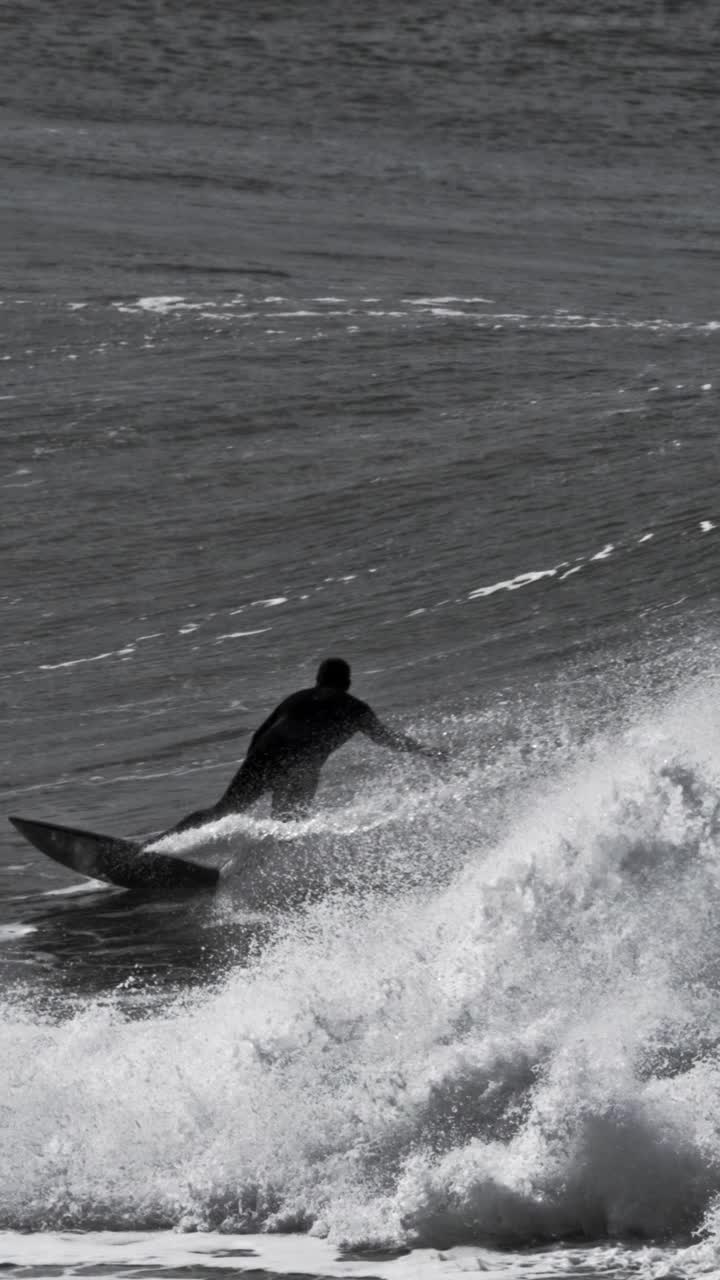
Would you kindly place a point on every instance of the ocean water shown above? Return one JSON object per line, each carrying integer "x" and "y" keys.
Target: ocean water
{"x": 389, "y": 331}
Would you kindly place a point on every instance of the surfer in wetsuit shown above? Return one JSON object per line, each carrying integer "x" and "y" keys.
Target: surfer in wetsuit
{"x": 288, "y": 750}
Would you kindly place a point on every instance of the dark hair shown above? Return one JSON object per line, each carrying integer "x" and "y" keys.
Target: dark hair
{"x": 333, "y": 673}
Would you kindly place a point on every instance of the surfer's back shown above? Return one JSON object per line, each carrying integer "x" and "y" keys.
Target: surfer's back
{"x": 312, "y": 723}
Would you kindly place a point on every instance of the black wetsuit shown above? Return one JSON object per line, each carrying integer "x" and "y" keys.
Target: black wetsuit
{"x": 288, "y": 751}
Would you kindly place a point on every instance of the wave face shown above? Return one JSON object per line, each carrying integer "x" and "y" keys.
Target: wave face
{"x": 522, "y": 1047}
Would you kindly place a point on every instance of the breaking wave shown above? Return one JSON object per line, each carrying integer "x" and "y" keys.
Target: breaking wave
{"x": 521, "y": 1047}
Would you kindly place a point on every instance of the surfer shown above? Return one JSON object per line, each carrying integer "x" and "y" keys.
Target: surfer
{"x": 288, "y": 750}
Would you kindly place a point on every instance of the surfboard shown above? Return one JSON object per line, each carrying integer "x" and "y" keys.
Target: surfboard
{"x": 121, "y": 862}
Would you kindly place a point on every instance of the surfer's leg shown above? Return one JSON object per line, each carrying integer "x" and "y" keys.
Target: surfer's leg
{"x": 246, "y": 787}
{"x": 293, "y": 794}
{"x": 252, "y": 778}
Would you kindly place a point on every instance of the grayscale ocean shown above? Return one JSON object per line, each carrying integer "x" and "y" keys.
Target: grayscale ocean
{"x": 387, "y": 331}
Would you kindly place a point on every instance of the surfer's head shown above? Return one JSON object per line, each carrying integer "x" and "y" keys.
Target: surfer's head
{"x": 333, "y": 673}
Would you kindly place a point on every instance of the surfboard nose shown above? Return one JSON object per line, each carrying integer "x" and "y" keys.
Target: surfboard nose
{"x": 78, "y": 850}
{"x": 121, "y": 862}
{"x": 23, "y": 825}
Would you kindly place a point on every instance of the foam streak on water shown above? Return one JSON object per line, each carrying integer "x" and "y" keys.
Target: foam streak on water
{"x": 522, "y": 1050}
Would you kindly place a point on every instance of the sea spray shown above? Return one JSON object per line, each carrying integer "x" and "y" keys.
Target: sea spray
{"x": 523, "y": 1048}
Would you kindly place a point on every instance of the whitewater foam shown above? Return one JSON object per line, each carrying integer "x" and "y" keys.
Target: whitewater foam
{"x": 169, "y": 1253}
{"x": 522, "y": 1048}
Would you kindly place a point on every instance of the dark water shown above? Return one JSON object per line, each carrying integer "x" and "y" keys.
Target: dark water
{"x": 390, "y": 331}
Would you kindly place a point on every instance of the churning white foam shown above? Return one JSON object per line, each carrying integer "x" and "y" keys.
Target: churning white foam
{"x": 523, "y": 1048}
{"x": 163, "y": 1253}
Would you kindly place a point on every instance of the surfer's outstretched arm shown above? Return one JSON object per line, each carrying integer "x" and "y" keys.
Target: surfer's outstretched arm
{"x": 378, "y": 732}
